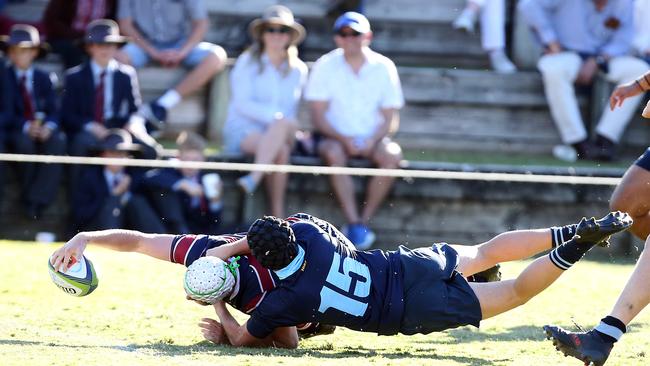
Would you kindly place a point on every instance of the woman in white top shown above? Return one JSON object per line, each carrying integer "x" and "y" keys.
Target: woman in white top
{"x": 266, "y": 86}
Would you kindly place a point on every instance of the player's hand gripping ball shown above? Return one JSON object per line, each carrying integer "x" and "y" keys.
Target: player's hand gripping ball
{"x": 209, "y": 279}
{"x": 79, "y": 279}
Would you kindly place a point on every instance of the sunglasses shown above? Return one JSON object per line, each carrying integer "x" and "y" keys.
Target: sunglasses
{"x": 344, "y": 34}
{"x": 281, "y": 30}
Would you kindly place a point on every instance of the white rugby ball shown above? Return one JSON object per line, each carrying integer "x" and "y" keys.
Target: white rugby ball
{"x": 79, "y": 279}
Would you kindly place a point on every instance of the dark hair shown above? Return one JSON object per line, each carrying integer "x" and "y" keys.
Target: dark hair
{"x": 272, "y": 242}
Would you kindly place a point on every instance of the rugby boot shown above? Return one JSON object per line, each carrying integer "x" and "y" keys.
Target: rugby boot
{"x": 308, "y": 330}
{"x": 492, "y": 274}
{"x": 588, "y": 347}
{"x": 599, "y": 231}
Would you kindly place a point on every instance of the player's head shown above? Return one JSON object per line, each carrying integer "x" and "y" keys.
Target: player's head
{"x": 272, "y": 242}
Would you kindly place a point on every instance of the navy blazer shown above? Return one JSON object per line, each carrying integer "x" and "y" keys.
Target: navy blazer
{"x": 43, "y": 95}
{"x": 93, "y": 190}
{"x": 78, "y": 104}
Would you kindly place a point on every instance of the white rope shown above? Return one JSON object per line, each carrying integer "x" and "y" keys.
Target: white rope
{"x": 315, "y": 170}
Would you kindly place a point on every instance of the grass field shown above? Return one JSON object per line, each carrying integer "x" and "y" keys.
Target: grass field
{"x": 138, "y": 316}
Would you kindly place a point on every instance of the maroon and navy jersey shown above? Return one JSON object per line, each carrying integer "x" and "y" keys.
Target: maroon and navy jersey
{"x": 253, "y": 281}
{"x": 332, "y": 283}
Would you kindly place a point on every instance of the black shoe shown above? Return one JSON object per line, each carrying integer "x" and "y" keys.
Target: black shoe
{"x": 605, "y": 149}
{"x": 492, "y": 274}
{"x": 154, "y": 113}
{"x": 308, "y": 330}
{"x": 588, "y": 347}
{"x": 597, "y": 232}
{"x": 33, "y": 211}
{"x": 585, "y": 150}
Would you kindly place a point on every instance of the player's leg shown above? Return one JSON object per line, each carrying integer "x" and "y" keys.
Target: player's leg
{"x": 498, "y": 297}
{"x": 596, "y": 344}
{"x": 510, "y": 246}
{"x": 632, "y": 195}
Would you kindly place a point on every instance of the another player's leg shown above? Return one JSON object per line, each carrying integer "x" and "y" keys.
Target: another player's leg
{"x": 596, "y": 344}
{"x": 632, "y": 195}
{"x": 498, "y": 297}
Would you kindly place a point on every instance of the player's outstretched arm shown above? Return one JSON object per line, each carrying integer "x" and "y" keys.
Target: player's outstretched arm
{"x": 238, "y": 335}
{"x": 154, "y": 245}
{"x": 225, "y": 251}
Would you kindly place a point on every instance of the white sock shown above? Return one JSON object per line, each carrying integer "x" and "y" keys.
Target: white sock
{"x": 169, "y": 99}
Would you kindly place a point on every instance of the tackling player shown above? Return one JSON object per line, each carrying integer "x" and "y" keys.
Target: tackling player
{"x": 404, "y": 291}
{"x": 631, "y": 195}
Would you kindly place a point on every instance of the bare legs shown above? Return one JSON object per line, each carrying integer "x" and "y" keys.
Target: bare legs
{"x": 387, "y": 155}
{"x": 272, "y": 147}
{"x": 632, "y": 195}
{"x": 505, "y": 247}
{"x": 498, "y": 297}
{"x": 636, "y": 294}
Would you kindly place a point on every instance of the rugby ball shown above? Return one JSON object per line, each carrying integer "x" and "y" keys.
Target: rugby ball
{"x": 78, "y": 280}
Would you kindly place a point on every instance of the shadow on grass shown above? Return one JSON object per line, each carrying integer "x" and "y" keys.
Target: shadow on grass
{"x": 328, "y": 351}
{"x": 470, "y": 335}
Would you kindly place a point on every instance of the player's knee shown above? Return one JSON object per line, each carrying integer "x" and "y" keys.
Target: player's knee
{"x": 217, "y": 57}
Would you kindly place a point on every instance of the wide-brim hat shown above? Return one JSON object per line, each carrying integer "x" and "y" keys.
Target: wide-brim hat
{"x": 117, "y": 140}
{"x": 104, "y": 31}
{"x": 278, "y": 15}
{"x": 24, "y": 36}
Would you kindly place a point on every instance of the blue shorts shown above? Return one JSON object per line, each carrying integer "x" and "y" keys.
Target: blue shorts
{"x": 644, "y": 160}
{"x": 139, "y": 57}
{"x": 436, "y": 296}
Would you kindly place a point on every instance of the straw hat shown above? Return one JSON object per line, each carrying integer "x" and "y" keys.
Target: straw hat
{"x": 24, "y": 36}
{"x": 277, "y": 15}
{"x": 104, "y": 31}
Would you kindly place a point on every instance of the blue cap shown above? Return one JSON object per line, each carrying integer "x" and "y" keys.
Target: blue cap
{"x": 354, "y": 20}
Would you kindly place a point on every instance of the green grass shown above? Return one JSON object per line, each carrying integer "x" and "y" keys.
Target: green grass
{"x": 138, "y": 316}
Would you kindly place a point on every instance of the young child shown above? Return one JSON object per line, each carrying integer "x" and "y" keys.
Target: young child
{"x": 188, "y": 200}
{"x": 29, "y": 116}
{"x": 109, "y": 197}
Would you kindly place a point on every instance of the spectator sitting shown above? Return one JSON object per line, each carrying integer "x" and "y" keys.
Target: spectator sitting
{"x": 188, "y": 200}
{"x": 266, "y": 84}
{"x": 356, "y": 120}
{"x": 65, "y": 23}
{"x": 102, "y": 94}
{"x": 109, "y": 197}
{"x": 642, "y": 29}
{"x": 493, "y": 35}
{"x": 581, "y": 37}
{"x": 169, "y": 32}
{"x": 30, "y": 116}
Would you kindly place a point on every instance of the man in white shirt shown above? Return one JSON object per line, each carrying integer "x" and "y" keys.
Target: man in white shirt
{"x": 355, "y": 95}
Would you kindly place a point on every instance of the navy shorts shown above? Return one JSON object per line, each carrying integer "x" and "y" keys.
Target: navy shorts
{"x": 436, "y": 295}
{"x": 644, "y": 160}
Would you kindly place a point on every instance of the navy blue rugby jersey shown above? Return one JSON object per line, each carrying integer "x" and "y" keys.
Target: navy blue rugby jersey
{"x": 332, "y": 283}
{"x": 253, "y": 281}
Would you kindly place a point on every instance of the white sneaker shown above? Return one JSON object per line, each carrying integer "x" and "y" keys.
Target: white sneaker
{"x": 466, "y": 20}
{"x": 501, "y": 63}
{"x": 565, "y": 153}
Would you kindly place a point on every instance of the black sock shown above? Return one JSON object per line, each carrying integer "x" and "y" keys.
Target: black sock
{"x": 567, "y": 254}
{"x": 607, "y": 329}
{"x": 562, "y": 234}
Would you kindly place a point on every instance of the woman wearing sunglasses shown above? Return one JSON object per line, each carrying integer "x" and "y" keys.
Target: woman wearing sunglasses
{"x": 266, "y": 86}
